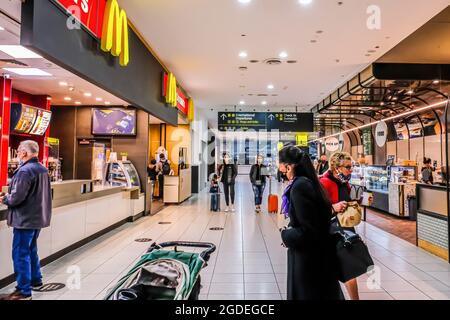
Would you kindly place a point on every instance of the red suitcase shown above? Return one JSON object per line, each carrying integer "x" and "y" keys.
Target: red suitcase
{"x": 272, "y": 205}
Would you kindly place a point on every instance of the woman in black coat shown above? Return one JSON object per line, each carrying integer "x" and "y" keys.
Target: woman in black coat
{"x": 311, "y": 251}
{"x": 228, "y": 173}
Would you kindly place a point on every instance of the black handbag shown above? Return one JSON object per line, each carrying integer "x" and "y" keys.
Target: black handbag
{"x": 353, "y": 257}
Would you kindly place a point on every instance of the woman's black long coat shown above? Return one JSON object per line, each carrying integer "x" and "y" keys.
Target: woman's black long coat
{"x": 311, "y": 258}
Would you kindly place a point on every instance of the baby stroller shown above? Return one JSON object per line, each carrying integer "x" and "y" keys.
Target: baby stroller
{"x": 164, "y": 274}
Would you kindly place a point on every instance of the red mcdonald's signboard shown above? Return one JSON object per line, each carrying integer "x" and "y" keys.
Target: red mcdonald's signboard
{"x": 89, "y": 12}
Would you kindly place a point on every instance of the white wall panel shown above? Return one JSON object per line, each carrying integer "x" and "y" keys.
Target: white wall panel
{"x": 68, "y": 225}
{"x": 416, "y": 150}
{"x": 402, "y": 150}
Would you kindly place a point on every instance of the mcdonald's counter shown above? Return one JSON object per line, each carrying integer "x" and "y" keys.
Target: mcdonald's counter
{"x": 81, "y": 213}
{"x": 432, "y": 219}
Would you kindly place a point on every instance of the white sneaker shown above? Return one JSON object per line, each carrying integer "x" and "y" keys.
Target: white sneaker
{"x": 227, "y": 209}
{"x": 233, "y": 209}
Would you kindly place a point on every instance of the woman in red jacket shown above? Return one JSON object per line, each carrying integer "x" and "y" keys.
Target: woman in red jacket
{"x": 336, "y": 183}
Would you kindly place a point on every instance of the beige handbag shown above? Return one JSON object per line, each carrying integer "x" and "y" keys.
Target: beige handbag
{"x": 351, "y": 217}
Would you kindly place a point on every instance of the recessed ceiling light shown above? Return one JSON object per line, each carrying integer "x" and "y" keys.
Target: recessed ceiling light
{"x": 71, "y": 88}
{"x": 283, "y": 54}
{"x": 243, "y": 54}
{"x": 2, "y": 29}
{"x": 99, "y": 99}
{"x": 242, "y": 102}
{"x": 245, "y": 1}
{"x": 107, "y": 103}
{"x": 436, "y": 82}
{"x": 77, "y": 102}
{"x": 305, "y": 2}
{"x": 68, "y": 98}
{"x": 88, "y": 94}
{"x": 270, "y": 86}
{"x": 63, "y": 84}
{"x": 28, "y": 72}
{"x": 19, "y": 52}
{"x": 264, "y": 103}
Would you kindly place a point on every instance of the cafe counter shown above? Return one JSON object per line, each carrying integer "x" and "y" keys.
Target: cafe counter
{"x": 432, "y": 220}
{"x": 81, "y": 213}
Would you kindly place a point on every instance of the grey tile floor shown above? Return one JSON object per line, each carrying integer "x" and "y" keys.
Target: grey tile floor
{"x": 249, "y": 262}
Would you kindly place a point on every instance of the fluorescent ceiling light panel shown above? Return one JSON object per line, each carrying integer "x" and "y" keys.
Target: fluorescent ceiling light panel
{"x": 19, "y": 52}
{"x": 28, "y": 72}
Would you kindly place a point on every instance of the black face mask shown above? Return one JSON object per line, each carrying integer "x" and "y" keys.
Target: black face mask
{"x": 344, "y": 178}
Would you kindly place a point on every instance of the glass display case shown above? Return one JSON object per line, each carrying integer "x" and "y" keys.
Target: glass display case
{"x": 403, "y": 174}
{"x": 376, "y": 178}
{"x": 122, "y": 173}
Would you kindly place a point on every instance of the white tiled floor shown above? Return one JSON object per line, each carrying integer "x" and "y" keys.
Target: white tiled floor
{"x": 249, "y": 262}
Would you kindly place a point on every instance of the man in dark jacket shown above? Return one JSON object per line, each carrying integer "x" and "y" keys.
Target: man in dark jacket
{"x": 323, "y": 165}
{"x": 29, "y": 204}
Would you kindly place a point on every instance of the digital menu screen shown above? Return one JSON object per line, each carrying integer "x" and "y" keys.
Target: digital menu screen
{"x": 41, "y": 123}
{"x": 26, "y": 119}
{"x": 114, "y": 121}
{"x": 29, "y": 120}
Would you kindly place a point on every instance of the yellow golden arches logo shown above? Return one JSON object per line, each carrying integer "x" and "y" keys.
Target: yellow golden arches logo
{"x": 115, "y": 32}
{"x": 171, "y": 91}
{"x": 191, "y": 110}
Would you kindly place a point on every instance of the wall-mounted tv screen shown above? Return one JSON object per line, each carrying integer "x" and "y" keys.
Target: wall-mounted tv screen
{"x": 114, "y": 122}
{"x": 29, "y": 120}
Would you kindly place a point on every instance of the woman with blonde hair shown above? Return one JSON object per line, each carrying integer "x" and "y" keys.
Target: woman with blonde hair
{"x": 336, "y": 183}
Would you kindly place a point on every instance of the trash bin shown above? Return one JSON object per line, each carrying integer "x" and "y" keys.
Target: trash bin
{"x": 412, "y": 207}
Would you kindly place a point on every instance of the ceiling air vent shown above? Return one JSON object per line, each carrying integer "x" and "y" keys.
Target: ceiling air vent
{"x": 262, "y": 95}
{"x": 12, "y": 61}
{"x": 254, "y": 61}
{"x": 243, "y": 68}
{"x": 273, "y": 61}
{"x": 291, "y": 61}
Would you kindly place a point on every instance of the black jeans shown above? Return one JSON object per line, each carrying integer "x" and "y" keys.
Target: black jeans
{"x": 229, "y": 191}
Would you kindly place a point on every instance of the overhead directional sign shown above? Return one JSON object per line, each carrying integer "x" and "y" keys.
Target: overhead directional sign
{"x": 270, "y": 121}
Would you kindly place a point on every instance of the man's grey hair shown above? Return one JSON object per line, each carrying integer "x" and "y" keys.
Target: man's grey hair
{"x": 30, "y": 146}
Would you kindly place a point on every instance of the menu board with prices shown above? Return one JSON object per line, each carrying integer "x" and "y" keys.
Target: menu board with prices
{"x": 26, "y": 120}
{"x": 29, "y": 120}
{"x": 42, "y": 122}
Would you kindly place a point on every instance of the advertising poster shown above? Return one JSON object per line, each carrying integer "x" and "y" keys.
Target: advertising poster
{"x": 114, "y": 122}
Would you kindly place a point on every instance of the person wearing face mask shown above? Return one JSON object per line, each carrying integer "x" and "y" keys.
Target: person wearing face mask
{"x": 311, "y": 250}
{"x": 29, "y": 203}
{"x": 258, "y": 180}
{"x": 228, "y": 172}
{"x": 336, "y": 183}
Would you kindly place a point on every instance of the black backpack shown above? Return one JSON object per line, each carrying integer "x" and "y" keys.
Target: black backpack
{"x": 166, "y": 168}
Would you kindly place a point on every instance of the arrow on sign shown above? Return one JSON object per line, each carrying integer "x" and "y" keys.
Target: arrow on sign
{"x": 271, "y": 117}
{"x": 223, "y": 116}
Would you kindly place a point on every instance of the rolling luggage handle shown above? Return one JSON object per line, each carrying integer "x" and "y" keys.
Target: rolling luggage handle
{"x": 205, "y": 254}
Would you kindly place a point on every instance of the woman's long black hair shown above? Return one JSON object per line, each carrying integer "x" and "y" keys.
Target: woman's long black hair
{"x": 303, "y": 167}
